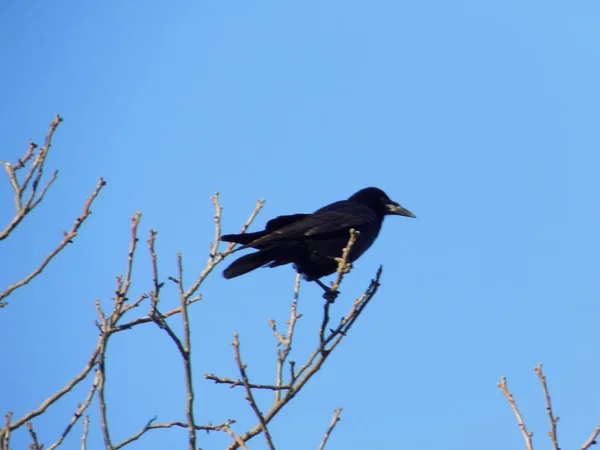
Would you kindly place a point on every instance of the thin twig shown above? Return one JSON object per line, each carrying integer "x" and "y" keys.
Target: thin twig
{"x": 249, "y": 396}
{"x": 234, "y": 383}
{"x": 215, "y": 258}
{"x": 155, "y": 293}
{"x": 148, "y": 319}
{"x": 343, "y": 268}
{"x": 84, "y": 435}
{"x": 78, "y": 413}
{"x": 7, "y": 429}
{"x": 37, "y": 168}
{"x": 101, "y": 373}
{"x": 69, "y": 236}
{"x": 123, "y": 289}
{"x": 57, "y": 395}
{"x": 334, "y": 421}
{"x": 553, "y": 420}
{"x": 236, "y": 438}
{"x": 187, "y": 359}
{"x": 513, "y": 404}
{"x": 592, "y": 439}
{"x": 150, "y": 425}
{"x": 35, "y": 444}
{"x": 317, "y": 358}
{"x": 282, "y": 354}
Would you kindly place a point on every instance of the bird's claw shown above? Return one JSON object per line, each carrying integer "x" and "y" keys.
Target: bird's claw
{"x": 330, "y": 295}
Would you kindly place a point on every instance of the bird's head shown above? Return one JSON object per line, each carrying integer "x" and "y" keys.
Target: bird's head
{"x": 379, "y": 202}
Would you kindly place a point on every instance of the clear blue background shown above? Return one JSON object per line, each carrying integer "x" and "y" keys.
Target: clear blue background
{"x": 481, "y": 117}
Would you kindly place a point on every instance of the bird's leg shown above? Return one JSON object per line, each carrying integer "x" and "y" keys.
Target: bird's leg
{"x": 330, "y": 295}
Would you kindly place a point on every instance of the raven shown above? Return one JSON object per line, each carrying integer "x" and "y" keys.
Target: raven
{"x": 313, "y": 242}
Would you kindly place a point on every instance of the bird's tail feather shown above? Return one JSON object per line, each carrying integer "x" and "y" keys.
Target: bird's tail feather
{"x": 248, "y": 263}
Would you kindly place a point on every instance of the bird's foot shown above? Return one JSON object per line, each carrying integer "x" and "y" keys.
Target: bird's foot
{"x": 330, "y": 295}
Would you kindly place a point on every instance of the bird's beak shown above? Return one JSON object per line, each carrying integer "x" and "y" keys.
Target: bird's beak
{"x": 397, "y": 209}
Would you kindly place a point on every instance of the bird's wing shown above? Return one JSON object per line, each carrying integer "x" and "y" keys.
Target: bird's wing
{"x": 337, "y": 217}
{"x": 281, "y": 221}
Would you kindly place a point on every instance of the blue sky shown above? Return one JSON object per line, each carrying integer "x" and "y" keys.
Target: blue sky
{"x": 480, "y": 117}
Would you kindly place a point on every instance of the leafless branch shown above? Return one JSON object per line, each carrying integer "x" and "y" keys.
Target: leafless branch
{"x": 35, "y": 445}
{"x": 236, "y": 438}
{"x": 592, "y": 439}
{"x": 334, "y": 421}
{"x": 109, "y": 323}
{"x": 249, "y": 395}
{"x": 150, "y": 425}
{"x": 28, "y": 194}
{"x": 84, "y": 435}
{"x": 57, "y": 395}
{"x": 286, "y": 341}
{"x": 78, "y": 413}
{"x": 5, "y": 433}
{"x": 68, "y": 238}
{"x": 215, "y": 257}
{"x": 35, "y": 171}
{"x": 315, "y": 360}
{"x": 124, "y": 285}
{"x": 101, "y": 373}
{"x": 343, "y": 265}
{"x": 140, "y": 320}
{"x": 553, "y": 420}
{"x": 513, "y": 404}
{"x": 183, "y": 347}
{"x": 234, "y": 383}
{"x": 187, "y": 359}
{"x": 343, "y": 268}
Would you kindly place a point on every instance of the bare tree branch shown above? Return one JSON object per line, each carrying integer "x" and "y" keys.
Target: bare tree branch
{"x": 592, "y": 439}
{"x": 78, "y": 413}
{"x": 35, "y": 444}
{"x": 108, "y": 323}
{"x": 344, "y": 266}
{"x": 286, "y": 341}
{"x": 214, "y": 257}
{"x": 238, "y": 382}
{"x": 57, "y": 395}
{"x": 101, "y": 373}
{"x": 35, "y": 171}
{"x": 69, "y": 236}
{"x": 553, "y": 420}
{"x": 5, "y": 433}
{"x": 315, "y": 360}
{"x": 156, "y": 426}
{"x": 249, "y": 396}
{"x": 236, "y": 438}
{"x": 187, "y": 358}
{"x": 84, "y": 435}
{"x": 513, "y": 404}
{"x": 334, "y": 421}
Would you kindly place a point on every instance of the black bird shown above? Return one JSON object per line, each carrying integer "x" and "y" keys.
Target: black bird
{"x": 312, "y": 242}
